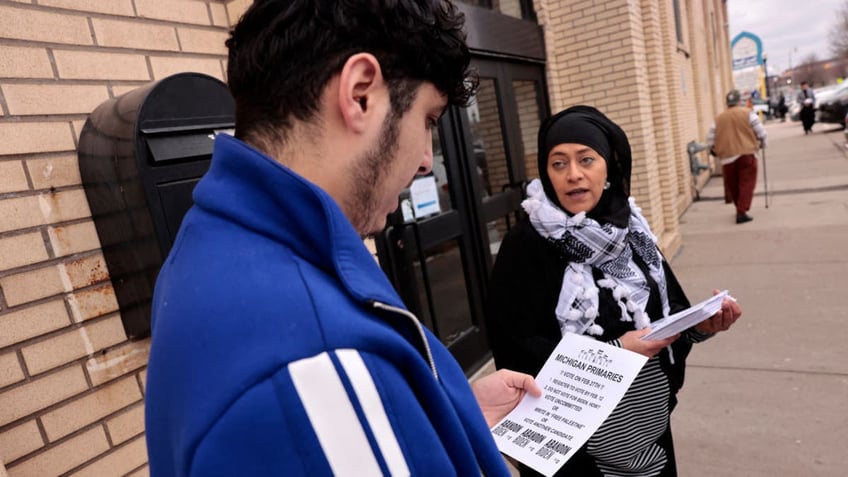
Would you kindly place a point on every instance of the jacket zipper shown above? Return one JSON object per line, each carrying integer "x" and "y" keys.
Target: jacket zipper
{"x": 414, "y": 319}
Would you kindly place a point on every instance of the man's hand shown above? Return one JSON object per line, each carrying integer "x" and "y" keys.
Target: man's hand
{"x": 498, "y": 393}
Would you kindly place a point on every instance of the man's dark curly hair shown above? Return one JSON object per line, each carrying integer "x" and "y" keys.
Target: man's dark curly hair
{"x": 282, "y": 53}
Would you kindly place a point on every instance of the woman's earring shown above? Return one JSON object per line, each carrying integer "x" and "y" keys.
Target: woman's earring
{"x": 606, "y": 185}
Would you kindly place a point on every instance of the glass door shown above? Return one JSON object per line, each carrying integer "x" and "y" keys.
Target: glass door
{"x": 427, "y": 250}
{"x": 511, "y": 100}
{"x": 439, "y": 245}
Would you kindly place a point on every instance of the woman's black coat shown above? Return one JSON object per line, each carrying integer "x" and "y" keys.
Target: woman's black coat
{"x": 523, "y": 329}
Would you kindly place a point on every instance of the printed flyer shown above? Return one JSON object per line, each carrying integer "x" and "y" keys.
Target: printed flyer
{"x": 582, "y": 382}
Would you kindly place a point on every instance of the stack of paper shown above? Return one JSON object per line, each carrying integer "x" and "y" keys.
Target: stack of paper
{"x": 676, "y": 323}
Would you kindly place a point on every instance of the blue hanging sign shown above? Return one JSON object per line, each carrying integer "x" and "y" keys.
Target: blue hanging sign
{"x": 746, "y": 49}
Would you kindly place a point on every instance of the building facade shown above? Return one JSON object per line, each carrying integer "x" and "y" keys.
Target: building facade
{"x": 72, "y": 382}
{"x": 659, "y": 69}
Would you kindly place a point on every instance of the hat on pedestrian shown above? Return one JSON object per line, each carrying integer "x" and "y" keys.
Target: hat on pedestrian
{"x": 733, "y": 97}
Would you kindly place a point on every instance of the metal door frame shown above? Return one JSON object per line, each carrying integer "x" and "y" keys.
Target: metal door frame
{"x": 399, "y": 245}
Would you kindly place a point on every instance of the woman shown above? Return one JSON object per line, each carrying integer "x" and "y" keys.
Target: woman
{"x": 586, "y": 262}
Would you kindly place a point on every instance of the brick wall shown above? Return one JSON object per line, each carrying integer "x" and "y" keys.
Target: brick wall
{"x": 71, "y": 384}
{"x": 507, "y": 7}
{"x": 493, "y": 162}
{"x": 623, "y": 57}
{"x": 529, "y": 122}
{"x": 657, "y": 34}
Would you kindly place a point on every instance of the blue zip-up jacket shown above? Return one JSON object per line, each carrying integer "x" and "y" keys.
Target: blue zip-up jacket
{"x": 280, "y": 348}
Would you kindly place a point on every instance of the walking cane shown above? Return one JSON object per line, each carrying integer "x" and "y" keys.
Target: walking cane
{"x": 765, "y": 175}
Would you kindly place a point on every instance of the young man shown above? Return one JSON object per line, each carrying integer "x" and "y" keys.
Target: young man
{"x": 279, "y": 347}
{"x": 734, "y": 138}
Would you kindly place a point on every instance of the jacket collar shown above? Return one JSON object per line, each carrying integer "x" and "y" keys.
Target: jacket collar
{"x": 249, "y": 188}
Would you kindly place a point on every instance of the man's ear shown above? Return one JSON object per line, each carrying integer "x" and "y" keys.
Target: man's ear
{"x": 359, "y": 82}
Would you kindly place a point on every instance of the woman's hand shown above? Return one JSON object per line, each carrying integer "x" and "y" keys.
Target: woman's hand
{"x": 723, "y": 319}
{"x": 632, "y": 341}
{"x": 498, "y": 393}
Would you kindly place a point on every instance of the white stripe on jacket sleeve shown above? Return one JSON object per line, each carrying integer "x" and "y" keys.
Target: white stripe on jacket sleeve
{"x": 375, "y": 413}
{"x": 333, "y": 417}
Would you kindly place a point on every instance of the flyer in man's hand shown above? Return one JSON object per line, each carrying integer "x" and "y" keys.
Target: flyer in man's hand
{"x": 582, "y": 382}
{"x": 682, "y": 320}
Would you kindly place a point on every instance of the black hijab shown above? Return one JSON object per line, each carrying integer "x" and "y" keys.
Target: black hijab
{"x": 588, "y": 126}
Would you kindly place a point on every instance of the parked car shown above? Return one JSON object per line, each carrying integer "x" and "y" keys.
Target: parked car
{"x": 761, "y": 106}
{"x": 845, "y": 125}
{"x": 794, "y": 111}
{"x": 825, "y": 92}
{"x": 834, "y": 106}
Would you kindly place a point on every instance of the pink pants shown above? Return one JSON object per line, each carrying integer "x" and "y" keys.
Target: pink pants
{"x": 740, "y": 177}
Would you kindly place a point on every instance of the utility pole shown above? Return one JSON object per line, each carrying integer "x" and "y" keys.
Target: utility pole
{"x": 791, "y": 69}
{"x": 765, "y": 67}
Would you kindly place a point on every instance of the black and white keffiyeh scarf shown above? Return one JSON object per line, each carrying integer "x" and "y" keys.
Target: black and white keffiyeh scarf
{"x": 589, "y": 244}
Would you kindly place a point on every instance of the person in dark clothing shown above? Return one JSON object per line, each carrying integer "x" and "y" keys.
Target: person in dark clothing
{"x": 807, "y": 98}
{"x": 585, "y": 261}
{"x": 781, "y": 107}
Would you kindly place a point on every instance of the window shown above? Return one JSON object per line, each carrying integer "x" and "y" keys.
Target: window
{"x": 678, "y": 25}
{"x": 522, "y": 9}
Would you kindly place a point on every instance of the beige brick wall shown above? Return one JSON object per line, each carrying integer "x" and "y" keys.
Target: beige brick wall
{"x": 494, "y": 166}
{"x": 71, "y": 384}
{"x": 655, "y": 17}
{"x": 623, "y": 57}
{"x": 507, "y": 7}
{"x": 529, "y": 121}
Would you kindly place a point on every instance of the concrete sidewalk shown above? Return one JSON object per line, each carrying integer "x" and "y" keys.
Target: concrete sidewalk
{"x": 770, "y": 397}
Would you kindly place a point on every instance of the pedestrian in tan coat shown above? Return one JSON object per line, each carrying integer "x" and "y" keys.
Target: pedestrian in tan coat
{"x": 734, "y": 139}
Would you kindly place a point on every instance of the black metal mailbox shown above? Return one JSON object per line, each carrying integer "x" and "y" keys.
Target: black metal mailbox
{"x": 140, "y": 156}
